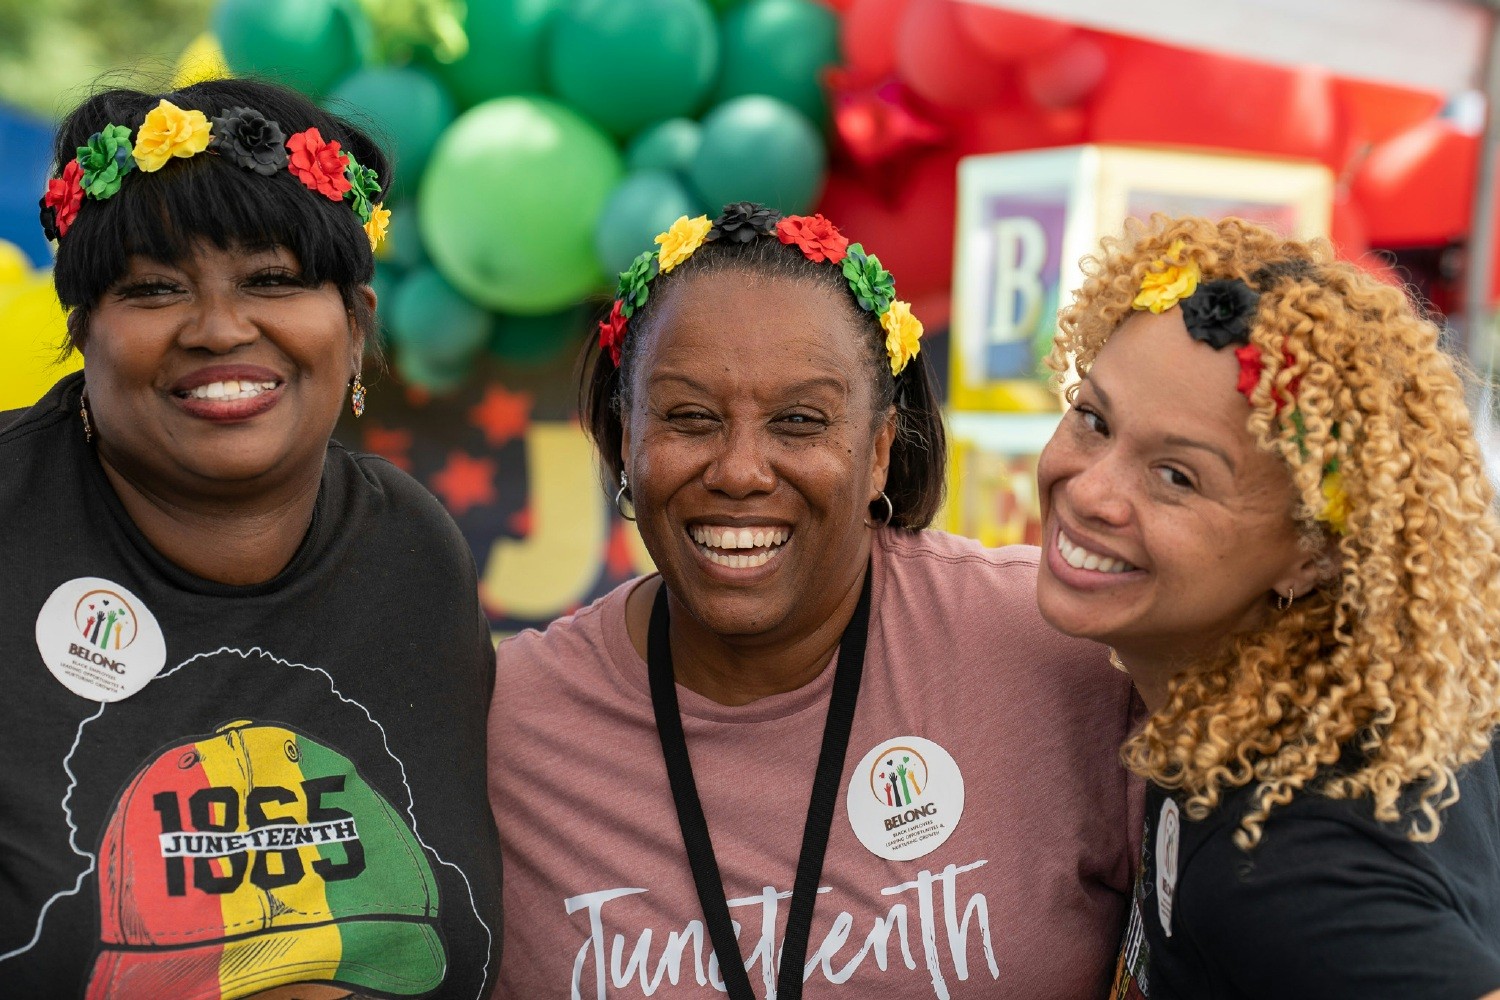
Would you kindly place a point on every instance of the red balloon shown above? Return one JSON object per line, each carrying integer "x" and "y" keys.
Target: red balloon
{"x": 912, "y": 234}
{"x": 939, "y": 61}
{"x": 1379, "y": 111}
{"x": 867, "y": 35}
{"x": 1063, "y": 76}
{"x": 1347, "y": 231}
{"x": 1157, "y": 93}
{"x": 1416, "y": 189}
{"x": 1006, "y": 35}
{"x": 1019, "y": 126}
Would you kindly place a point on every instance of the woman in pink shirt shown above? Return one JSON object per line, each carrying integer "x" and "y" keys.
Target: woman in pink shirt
{"x": 824, "y": 741}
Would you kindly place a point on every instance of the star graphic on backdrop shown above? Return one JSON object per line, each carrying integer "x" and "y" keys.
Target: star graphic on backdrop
{"x": 502, "y": 415}
{"x": 520, "y": 522}
{"x": 465, "y": 483}
{"x": 391, "y": 445}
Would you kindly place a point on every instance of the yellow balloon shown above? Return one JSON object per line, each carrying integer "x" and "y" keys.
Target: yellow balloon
{"x": 203, "y": 59}
{"x": 15, "y": 266}
{"x": 33, "y": 327}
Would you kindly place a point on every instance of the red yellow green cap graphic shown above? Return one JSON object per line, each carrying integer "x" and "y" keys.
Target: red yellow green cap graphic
{"x": 256, "y": 858}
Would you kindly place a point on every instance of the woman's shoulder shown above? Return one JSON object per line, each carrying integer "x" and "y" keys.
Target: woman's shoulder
{"x": 592, "y": 630}
{"x": 941, "y": 554}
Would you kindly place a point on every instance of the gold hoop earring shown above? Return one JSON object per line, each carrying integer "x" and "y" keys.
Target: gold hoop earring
{"x": 83, "y": 411}
{"x": 357, "y": 396}
{"x": 621, "y": 499}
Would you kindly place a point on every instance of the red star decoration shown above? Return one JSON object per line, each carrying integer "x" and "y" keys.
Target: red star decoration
{"x": 391, "y": 445}
{"x": 520, "y": 522}
{"x": 465, "y": 483}
{"x": 502, "y": 415}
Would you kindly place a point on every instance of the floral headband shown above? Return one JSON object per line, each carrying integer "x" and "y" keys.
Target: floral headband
{"x": 242, "y": 135}
{"x": 817, "y": 238}
{"x": 1220, "y": 313}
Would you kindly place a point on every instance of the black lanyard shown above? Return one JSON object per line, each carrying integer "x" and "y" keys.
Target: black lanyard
{"x": 700, "y": 849}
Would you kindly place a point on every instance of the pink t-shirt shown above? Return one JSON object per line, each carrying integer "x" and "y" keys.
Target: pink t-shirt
{"x": 968, "y": 701}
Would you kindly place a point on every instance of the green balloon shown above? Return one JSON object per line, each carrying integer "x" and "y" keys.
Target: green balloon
{"x": 384, "y": 283}
{"x": 643, "y": 205}
{"x": 758, "y": 149}
{"x": 509, "y": 201}
{"x": 438, "y": 378}
{"x": 307, "y": 44}
{"x": 628, "y": 64}
{"x": 402, "y": 245}
{"x": 779, "y": 48}
{"x": 668, "y": 145}
{"x": 406, "y": 108}
{"x": 507, "y": 50}
{"x": 540, "y": 340}
{"x": 432, "y": 319}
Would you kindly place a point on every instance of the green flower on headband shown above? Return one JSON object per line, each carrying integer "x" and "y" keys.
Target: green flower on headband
{"x": 364, "y": 188}
{"x": 635, "y": 283}
{"x": 105, "y": 160}
{"x": 871, "y": 284}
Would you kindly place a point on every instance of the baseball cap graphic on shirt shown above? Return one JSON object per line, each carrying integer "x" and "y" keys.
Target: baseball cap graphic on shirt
{"x": 254, "y": 858}
{"x": 105, "y": 620}
{"x": 898, "y": 776}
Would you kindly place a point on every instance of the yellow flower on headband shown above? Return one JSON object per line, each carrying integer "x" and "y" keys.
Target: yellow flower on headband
{"x": 1162, "y": 289}
{"x": 380, "y": 218}
{"x": 1335, "y": 503}
{"x": 679, "y": 241}
{"x": 903, "y": 334}
{"x": 169, "y": 131}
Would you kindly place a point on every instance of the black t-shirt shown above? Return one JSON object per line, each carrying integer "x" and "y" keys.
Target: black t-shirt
{"x": 297, "y": 791}
{"x": 1332, "y": 904}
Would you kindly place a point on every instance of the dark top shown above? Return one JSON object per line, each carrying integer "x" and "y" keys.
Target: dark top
{"x": 297, "y": 791}
{"x": 1331, "y": 904}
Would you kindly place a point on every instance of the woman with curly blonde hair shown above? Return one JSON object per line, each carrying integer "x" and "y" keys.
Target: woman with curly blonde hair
{"x": 1267, "y": 498}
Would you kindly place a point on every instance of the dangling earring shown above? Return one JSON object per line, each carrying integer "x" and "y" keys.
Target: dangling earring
{"x": 83, "y": 411}
{"x": 1291, "y": 595}
{"x": 621, "y": 498}
{"x": 890, "y": 512}
{"x": 357, "y": 396}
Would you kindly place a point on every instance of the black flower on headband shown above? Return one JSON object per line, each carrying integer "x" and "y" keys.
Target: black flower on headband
{"x": 1220, "y": 312}
{"x": 250, "y": 140}
{"x": 743, "y": 221}
{"x": 49, "y": 220}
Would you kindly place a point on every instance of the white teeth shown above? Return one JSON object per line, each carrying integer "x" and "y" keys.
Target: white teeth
{"x": 1078, "y": 557}
{"x": 231, "y": 389}
{"x": 718, "y": 544}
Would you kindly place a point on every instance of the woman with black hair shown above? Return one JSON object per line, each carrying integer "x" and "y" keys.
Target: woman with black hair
{"x": 823, "y": 741}
{"x": 238, "y": 759}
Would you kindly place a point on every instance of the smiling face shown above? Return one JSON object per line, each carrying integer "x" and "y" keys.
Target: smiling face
{"x": 220, "y": 373}
{"x": 753, "y": 449}
{"x": 1165, "y": 529}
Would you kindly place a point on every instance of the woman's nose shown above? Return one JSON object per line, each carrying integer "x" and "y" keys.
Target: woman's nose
{"x": 217, "y": 325}
{"x": 740, "y": 467}
{"x": 1099, "y": 490}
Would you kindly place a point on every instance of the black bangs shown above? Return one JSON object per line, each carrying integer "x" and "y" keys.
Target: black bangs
{"x": 162, "y": 215}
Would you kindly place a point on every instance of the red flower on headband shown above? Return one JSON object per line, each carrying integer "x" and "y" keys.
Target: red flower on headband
{"x": 64, "y": 195}
{"x": 1251, "y": 367}
{"x": 612, "y": 333}
{"x": 819, "y": 239}
{"x": 318, "y": 164}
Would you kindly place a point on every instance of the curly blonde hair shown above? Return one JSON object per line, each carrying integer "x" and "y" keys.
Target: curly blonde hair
{"x": 1395, "y": 656}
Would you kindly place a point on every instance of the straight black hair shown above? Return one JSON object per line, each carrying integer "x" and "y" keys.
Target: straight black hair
{"x": 161, "y": 215}
{"x": 916, "y": 479}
